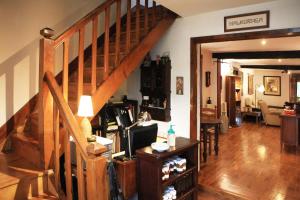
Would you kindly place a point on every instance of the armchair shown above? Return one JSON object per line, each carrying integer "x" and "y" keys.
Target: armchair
{"x": 271, "y": 117}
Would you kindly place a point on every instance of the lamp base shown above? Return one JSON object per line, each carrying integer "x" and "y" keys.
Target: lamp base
{"x": 86, "y": 127}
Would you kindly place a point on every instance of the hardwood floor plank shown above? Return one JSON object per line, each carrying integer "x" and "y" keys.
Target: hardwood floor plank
{"x": 251, "y": 165}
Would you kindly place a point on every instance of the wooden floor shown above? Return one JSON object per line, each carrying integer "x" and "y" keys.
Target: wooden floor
{"x": 251, "y": 166}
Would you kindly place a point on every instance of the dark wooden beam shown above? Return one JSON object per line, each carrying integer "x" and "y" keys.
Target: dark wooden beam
{"x": 289, "y": 32}
{"x": 276, "y": 67}
{"x": 258, "y": 55}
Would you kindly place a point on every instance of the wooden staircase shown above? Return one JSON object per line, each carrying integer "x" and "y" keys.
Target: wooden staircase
{"x": 99, "y": 71}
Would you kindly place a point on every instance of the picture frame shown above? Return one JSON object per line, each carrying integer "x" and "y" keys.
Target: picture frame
{"x": 250, "y": 84}
{"x": 179, "y": 85}
{"x": 272, "y": 85}
{"x": 247, "y": 21}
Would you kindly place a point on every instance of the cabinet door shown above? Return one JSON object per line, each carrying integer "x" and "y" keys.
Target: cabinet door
{"x": 289, "y": 130}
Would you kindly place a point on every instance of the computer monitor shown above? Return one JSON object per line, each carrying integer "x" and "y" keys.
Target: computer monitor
{"x": 140, "y": 137}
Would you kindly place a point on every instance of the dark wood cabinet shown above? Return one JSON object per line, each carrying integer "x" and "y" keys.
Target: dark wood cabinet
{"x": 155, "y": 84}
{"x": 233, "y": 99}
{"x": 149, "y": 171}
{"x": 289, "y": 130}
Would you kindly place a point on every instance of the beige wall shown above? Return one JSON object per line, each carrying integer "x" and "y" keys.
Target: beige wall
{"x": 20, "y": 23}
{"x": 258, "y": 80}
{"x": 209, "y": 65}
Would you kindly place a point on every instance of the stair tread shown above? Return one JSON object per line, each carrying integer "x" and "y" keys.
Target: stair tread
{"x": 13, "y": 168}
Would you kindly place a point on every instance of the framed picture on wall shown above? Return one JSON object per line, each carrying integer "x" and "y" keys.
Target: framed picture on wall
{"x": 250, "y": 84}
{"x": 179, "y": 85}
{"x": 272, "y": 85}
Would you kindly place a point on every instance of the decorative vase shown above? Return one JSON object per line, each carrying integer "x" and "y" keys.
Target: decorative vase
{"x": 208, "y": 100}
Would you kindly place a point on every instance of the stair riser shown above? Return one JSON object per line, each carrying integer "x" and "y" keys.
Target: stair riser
{"x": 25, "y": 189}
{"x": 27, "y": 150}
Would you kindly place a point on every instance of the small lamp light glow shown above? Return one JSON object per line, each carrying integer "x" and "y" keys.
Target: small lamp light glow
{"x": 261, "y": 89}
{"x": 85, "y": 109}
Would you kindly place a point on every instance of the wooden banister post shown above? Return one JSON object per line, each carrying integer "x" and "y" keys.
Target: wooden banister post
{"x": 96, "y": 174}
{"x": 45, "y": 104}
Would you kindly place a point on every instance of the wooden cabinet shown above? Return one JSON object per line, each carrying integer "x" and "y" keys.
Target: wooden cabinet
{"x": 233, "y": 99}
{"x": 149, "y": 171}
{"x": 289, "y": 133}
{"x": 155, "y": 84}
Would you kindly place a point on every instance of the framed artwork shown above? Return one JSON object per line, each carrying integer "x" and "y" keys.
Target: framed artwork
{"x": 179, "y": 85}
{"x": 247, "y": 21}
{"x": 272, "y": 85}
{"x": 250, "y": 84}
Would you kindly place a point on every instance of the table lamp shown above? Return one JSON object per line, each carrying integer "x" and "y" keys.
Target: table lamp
{"x": 85, "y": 110}
{"x": 143, "y": 117}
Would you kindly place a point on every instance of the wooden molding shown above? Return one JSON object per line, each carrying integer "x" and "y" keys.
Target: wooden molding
{"x": 289, "y": 32}
{"x": 275, "y": 67}
{"x": 258, "y": 55}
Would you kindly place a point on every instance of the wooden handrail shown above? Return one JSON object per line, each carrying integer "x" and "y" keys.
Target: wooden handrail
{"x": 85, "y": 20}
{"x": 68, "y": 117}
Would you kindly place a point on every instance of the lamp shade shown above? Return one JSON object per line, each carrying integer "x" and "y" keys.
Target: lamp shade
{"x": 261, "y": 89}
{"x": 85, "y": 108}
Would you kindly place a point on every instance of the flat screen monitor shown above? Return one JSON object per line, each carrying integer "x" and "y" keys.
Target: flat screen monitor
{"x": 141, "y": 136}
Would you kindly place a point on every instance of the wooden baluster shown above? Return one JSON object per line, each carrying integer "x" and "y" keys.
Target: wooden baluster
{"x": 118, "y": 31}
{"x": 137, "y": 21}
{"x": 66, "y": 69}
{"x": 128, "y": 26}
{"x": 56, "y": 146}
{"x": 68, "y": 169}
{"x": 96, "y": 175}
{"x": 80, "y": 64}
{"x": 106, "y": 43}
{"x": 94, "y": 55}
{"x": 153, "y": 13}
{"x": 80, "y": 177}
{"x": 45, "y": 104}
{"x": 146, "y": 23}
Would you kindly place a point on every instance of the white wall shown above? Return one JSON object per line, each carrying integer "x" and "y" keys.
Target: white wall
{"x": 20, "y": 23}
{"x": 284, "y": 14}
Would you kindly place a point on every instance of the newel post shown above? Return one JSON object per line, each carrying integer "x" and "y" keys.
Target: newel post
{"x": 45, "y": 104}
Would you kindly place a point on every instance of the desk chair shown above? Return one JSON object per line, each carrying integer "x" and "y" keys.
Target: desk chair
{"x": 209, "y": 113}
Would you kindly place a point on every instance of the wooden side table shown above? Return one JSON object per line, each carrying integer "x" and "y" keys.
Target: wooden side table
{"x": 255, "y": 114}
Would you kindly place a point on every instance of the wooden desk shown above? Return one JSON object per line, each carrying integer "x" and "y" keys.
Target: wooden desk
{"x": 126, "y": 172}
{"x": 205, "y": 124}
{"x": 289, "y": 132}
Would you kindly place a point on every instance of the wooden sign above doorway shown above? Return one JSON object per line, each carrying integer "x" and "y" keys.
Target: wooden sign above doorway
{"x": 247, "y": 21}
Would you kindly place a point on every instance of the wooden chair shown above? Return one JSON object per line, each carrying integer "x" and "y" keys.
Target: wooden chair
{"x": 209, "y": 113}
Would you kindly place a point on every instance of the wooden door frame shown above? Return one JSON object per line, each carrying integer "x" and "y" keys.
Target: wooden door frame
{"x": 194, "y": 69}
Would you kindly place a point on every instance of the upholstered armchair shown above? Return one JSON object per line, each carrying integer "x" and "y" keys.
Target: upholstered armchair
{"x": 271, "y": 117}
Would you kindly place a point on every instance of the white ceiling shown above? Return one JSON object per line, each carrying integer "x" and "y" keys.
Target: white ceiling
{"x": 272, "y": 44}
{"x": 186, "y": 8}
{"x": 265, "y": 61}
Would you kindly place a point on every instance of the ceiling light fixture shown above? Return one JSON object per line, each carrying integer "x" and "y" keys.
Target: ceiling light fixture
{"x": 279, "y": 60}
{"x": 263, "y": 42}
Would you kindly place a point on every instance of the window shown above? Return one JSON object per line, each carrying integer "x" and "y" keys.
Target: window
{"x": 298, "y": 89}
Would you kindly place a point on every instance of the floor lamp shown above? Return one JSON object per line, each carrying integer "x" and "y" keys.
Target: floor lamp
{"x": 260, "y": 89}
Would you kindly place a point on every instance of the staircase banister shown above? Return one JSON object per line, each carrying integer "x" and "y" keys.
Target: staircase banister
{"x": 70, "y": 120}
{"x": 82, "y": 22}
